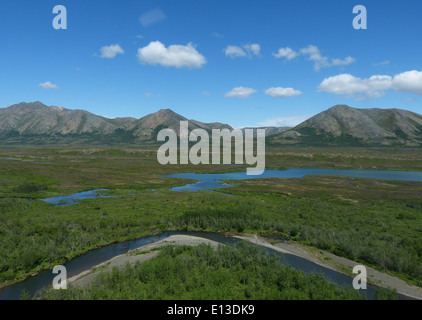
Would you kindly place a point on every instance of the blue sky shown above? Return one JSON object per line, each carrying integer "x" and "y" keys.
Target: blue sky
{"x": 246, "y": 63}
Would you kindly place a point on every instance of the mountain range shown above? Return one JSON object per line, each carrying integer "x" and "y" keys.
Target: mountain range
{"x": 36, "y": 123}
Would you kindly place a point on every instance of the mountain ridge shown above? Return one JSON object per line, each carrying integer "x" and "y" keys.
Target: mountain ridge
{"x": 36, "y": 119}
{"x": 342, "y": 125}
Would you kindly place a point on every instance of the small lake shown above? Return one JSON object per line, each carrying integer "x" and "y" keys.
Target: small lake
{"x": 71, "y": 199}
{"x": 213, "y": 181}
{"x": 97, "y": 256}
{"x": 208, "y": 182}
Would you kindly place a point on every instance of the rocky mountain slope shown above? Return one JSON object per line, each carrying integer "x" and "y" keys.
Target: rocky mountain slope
{"x": 37, "y": 122}
{"x": 345, "y": 126}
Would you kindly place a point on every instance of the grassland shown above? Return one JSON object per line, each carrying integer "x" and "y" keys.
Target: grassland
{"x": 376, "y": 222}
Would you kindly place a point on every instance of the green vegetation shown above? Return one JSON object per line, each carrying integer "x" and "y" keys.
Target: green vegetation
{"x": 201, "y": 273}
{"x": 386, "y": 294}
{"x": 30, "y": 187}
{"x": 375, "y": 222}
{"x": 383, "y": 235}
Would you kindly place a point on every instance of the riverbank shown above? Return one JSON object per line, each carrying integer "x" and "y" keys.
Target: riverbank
{"x": 335, "y": 263}
{"x": 141, "y": 254}
{"x": 319, "y": 257}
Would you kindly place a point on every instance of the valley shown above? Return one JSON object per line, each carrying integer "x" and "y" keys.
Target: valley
{"x": 122, "y": 193}
{"x": 375, "y": 222}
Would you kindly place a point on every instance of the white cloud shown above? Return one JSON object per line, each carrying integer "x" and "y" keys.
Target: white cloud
{"x": 339, "y": 62}
{"x": 246, "y": 50}
{"x": 409, "y": 100}
{"x": 253, "y": 48}
{"x": 280, "y": 92}
{"x": 240, "y": 92}
{"x": 373, "y": 87}
{"x": 290, "y": 121}
{"x": 111, "y": 51}
{"x": 206, "y": 93}
{"x": 410, "y": 81}
{"x": 48, "y": 85}
{"x": 174, "y": 56}
{"x": 354, "y": 87}
{"x": 313, "y": 54}
{"x": 234, "y": 51}
{"x": 152, "y": 17}
{"x": 287, "y": 53}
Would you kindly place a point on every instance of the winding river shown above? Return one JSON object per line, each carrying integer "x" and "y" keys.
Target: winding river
{"x": 92, "y": 258}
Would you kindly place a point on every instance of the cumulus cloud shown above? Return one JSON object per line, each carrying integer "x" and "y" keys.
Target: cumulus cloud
{"x": 178, "y": 56}
{"x": 410, "y": 81}
{"x": 280, "y": 92}
{"x": 152, "y": 17}
{"x": 253, "y": 48}
{"x": 290, "y": 121}
{"x": 48, "y": 85}
{"x": 313, "y": 54}
{"x": 354, "y": 87}
{"x": 111, "y": 51}
{"x": 249, "y": 50}
{"x": 373, "y": 87}
{"x": 339, "y": 62}
{"x": 287, "y": 53}
{"x": 240, "y": 92}
{"x": 234, "y": 51}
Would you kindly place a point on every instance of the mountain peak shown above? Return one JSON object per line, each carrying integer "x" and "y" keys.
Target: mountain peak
{"x": 342, "y": 125}
{"x": 165, "y": 112}
{"x": 341, "y": 108}
{"x": 24, "y": 107}
{"x": 36, "y": 104}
